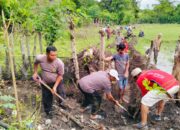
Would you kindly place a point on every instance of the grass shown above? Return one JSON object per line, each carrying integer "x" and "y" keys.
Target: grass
{"x": 89, "y": 36}
{"x": 170, "y": 33}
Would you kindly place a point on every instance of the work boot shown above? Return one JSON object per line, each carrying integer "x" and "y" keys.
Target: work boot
{"x": 140, "y": 126}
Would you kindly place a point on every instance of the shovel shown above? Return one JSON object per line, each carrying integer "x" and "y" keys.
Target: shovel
{"x": 120, "y": 106}
{"x": 50, "y": 89}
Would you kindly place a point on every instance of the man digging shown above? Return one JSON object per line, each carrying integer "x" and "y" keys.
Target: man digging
{"x": 156, "y": 87}
{"x": 52, "y": 74}
{"x": 92, "y": 86}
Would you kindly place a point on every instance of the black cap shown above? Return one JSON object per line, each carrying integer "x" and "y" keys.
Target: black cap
{"x": 121, "y": 46}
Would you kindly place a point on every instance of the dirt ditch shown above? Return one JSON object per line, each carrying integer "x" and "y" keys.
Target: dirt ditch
{"x": 30, "y": 94}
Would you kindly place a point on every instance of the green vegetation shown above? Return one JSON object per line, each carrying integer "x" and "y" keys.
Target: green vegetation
{"x": 170, "y": 33}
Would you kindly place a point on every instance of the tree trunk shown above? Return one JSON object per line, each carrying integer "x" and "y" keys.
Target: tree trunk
{"x": 24, "y": 66}
{"x": 176, "y": 67}
{"x": 150, "y": 57}
{"x": 6, "y": 72}
{"x": 73, "y": 48}
{"x": 23, "y": 50}
{"x": 34, "y": 49}
{"x": 11, "y": 65}
{"x": 0, "y": 72}
{"x": 28, "y": 53}
{"x": 12, "y": 44}
{"x": 102, "y": 49}
{"x": 40, "y": 42}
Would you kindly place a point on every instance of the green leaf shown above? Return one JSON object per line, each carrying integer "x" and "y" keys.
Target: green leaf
{"x": 8, "y": 105}
{"x": 7, "y": 98}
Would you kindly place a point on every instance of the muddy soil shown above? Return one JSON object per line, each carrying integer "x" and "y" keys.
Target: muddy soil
{"x": 116, "y": 119}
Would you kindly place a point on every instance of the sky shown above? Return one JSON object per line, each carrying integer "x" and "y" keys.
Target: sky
{"x": 149, "y": 3}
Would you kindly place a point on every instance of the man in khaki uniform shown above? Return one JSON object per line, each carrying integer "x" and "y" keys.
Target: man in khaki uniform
{"x": 157, "y": 45}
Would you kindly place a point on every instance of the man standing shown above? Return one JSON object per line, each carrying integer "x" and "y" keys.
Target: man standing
{"x": 119, "y": 38}
{"x": 122, "y": 66}
{"x": 156, "y": 87}
{"x": 93, "y": 85}
{"x": 108, "y": 31}
{"x": 157, "y": 46}
{"x": 52, "y": 74}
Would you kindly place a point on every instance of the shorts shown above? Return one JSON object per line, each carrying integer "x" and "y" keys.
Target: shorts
{"x": 123, "y": 82}
{"x": 154, "y": 96}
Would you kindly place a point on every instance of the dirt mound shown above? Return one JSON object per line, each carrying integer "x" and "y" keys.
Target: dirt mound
{"x": 88, "y": 61}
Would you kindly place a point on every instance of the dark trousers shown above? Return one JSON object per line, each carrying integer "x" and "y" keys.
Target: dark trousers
{"x": 155, "y": 55}
{"x": 93, "y": 99}
{"x": 47, "y": 97}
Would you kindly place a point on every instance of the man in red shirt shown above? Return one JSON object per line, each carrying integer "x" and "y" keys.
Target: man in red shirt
{"x": 156, "y": 87}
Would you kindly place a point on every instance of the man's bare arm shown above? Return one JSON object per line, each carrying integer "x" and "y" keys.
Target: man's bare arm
{"x": 108, "y": 58}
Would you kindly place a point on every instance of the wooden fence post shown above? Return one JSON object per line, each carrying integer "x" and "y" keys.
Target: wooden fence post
{"x": 73, "y": 48}
{"x": 176, "y": 68}
{"x": 102, "y": 49}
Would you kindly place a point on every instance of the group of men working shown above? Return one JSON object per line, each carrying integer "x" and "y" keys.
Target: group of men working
{"x": 94, "y": 85}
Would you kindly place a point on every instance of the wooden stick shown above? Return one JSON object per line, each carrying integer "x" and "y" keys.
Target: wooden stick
{"x": 51, "y": 90}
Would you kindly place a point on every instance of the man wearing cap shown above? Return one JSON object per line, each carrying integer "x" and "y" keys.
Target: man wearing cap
{"x": 93, "y": 85}
{"x": 156, "y": 87}
{"x": 121, "y": 60}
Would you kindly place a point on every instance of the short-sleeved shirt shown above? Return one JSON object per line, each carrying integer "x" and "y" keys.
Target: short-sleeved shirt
{"x": 163, "y": 79}
{"x": 119, "y": 40}
{"x": 96, "y": 81}
{"x": 50, "y": 70}
{"x": 120, "y": 62}
{"x": 157, "y": 43}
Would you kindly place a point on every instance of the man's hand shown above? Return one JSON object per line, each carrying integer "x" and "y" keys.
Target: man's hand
{"x": 53, "y": 90}
{"x": 126, "y": 74}
{"x": 117, "y": 103}
{"x": 36, "y": 77}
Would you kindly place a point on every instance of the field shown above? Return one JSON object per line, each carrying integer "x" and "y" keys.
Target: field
{"x": 88, "y": 36}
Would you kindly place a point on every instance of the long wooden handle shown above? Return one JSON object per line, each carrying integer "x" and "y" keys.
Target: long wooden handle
{"x": 51, "y": 90}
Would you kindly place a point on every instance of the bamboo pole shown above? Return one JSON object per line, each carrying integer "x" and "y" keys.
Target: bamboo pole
{"x": 5, "y": 29}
